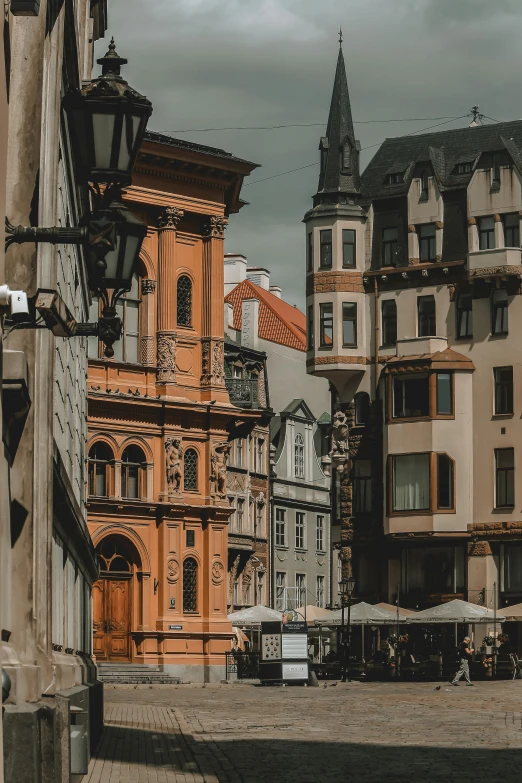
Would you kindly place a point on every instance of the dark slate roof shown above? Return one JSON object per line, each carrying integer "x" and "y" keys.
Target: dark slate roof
{"x": 171, "y": 141}
{"x": 443, "y": 150}
{"x": 339, "y": 128}
{"x": 298, "y": 408}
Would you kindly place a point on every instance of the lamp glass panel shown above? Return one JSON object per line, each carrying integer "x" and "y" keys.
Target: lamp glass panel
{"x": 130, "y": 255}
{"x": 80, "y": 127}
{"x": 132, "y": 317}
{"x": 103, "y": 132}
{"x": 126, "y": 149}
{"x": 118, "y": 345}
{"x": 111, "y": 259}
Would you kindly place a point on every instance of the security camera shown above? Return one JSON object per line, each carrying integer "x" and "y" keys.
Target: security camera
{"x": 17, "y": 303}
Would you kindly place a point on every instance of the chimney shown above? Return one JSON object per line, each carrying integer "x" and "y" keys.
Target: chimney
{"x": 259, "y": 276}
{"x": 250, "y": 323}
{"x": 235, "y": 270}
{"x": 276, "y": 291}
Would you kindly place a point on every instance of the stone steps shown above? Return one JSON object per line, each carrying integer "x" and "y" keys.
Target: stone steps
{"x": 134, "y": 674}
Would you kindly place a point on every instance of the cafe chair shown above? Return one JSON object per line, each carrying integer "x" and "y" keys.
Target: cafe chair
{"x": 517, "y": 666}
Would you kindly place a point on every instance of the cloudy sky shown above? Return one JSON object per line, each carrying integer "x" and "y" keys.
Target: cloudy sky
{"x": 222, "y": 63}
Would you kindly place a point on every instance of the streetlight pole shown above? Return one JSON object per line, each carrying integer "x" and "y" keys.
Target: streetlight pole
{"x": 346, "y": 589}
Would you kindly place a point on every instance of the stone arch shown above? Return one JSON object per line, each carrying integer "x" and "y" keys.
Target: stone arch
{"x": 130, "y": 535}
{"x": 105, "y": 438}
{"x": 148, "y": 264}
{"x": 132, "y": 440}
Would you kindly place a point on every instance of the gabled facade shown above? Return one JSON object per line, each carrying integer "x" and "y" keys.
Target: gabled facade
{"x": 161, "y": 425}
{"x": 414, "y": 309}
{"x": 301, "y": 508}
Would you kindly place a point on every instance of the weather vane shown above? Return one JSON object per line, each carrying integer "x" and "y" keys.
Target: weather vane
{"x": 340, "y": 36}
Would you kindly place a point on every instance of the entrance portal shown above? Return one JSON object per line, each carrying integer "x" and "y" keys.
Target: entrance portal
{"x": 112, "y": 601}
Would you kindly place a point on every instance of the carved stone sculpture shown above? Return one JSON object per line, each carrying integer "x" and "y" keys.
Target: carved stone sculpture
{"x": 218, "y": 461}
{"x": 173, "y": 454}
{"x": 232, "y": 580}
{"x": 170, "y": 217}
{"x": 247, "y": 579}
{"x": 218, "y": 364}
{"x": 166, "y": 357}
{"x": 216, "y": 226}
{"x": 148, "y": 286}
{"x": 339, "y": 452}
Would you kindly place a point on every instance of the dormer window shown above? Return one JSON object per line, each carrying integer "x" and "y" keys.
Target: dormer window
{"x": 424, "y": 185}
{"x": 495, "y": 173}
{"x": 463, "y": 168}
{"x": 345, "y": 155}
{"x": 397, "y": 178}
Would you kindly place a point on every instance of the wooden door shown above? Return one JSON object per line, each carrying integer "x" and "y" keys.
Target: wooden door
{"x": 112, "y": 619}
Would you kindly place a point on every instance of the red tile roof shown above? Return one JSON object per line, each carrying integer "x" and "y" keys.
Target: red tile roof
{"x": 279, "y": 322}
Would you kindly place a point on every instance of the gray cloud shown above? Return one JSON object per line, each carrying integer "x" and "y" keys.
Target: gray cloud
{"x": 216, "y": 63}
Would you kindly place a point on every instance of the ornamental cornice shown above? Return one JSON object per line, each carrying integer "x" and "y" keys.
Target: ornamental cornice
{"x": 491, "y": 271}
{"x": 326, "y": 360}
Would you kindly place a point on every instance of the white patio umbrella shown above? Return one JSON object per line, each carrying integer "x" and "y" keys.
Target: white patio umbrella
{"x": 456, "y": 611}
{"x": 254, "y": 615}
{"x": 513, "y": 614}
{"x": 362, "y": 614}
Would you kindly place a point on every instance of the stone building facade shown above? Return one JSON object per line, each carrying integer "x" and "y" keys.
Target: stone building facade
{"x": 48, "y": 562}
{"x": 161, "y": 425}
{"x": 413, "y": 286}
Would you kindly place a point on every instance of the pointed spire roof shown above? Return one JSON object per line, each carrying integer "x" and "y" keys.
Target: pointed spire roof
{"x": 339, "y": 149}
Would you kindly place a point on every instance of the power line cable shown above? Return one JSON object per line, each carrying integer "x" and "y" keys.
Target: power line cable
{"x": 300, "y": 125}
{"x": 309, "y": 165}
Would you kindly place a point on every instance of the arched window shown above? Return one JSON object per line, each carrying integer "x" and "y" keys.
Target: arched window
{"x": 113, "y": 556}
{"x": 126, "y": 349}
{"x": 190, "y": 470}
{"x": 299, "y": 456}
{"x": 101, "y": 461}
{"x": 132, "y": 472}
{"x": 190, "y": 585}
{"x": 362, "y": 408}
{"x": 184, "y": 301}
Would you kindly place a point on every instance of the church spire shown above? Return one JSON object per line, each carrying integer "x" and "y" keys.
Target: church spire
{"x": 339, "y": 149}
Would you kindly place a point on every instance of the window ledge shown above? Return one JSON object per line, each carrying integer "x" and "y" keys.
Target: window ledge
{"x": 301, "y": 549}
{"x": 502, "y": 416}
{"x": 325, "y": 348}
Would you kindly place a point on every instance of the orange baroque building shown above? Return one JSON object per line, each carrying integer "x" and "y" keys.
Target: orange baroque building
{"x": 161, "y": 423}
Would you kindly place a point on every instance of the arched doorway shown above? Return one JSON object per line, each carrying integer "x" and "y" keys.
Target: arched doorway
{"x": 112, "y": 598}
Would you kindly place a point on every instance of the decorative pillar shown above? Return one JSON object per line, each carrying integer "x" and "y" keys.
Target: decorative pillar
{"x": 473, "y": 241}
{"x": 212, "y": 336}
{"x": 166, "y": 340}
{"x": 117, "y": 478}
{"x": 439, "y": 229}
{"x": 149, "y": 482}
{"x": 413, "y": 246}
{"x": 499, "y": 232}
{"x": 148, "y": 289}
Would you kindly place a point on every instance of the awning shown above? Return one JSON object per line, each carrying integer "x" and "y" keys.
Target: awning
{"x": 456, "y": 611}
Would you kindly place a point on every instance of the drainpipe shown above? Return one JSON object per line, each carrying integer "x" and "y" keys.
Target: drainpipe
{"x": 376, "y": 336}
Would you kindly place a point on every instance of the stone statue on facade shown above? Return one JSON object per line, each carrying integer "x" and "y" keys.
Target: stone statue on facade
{"x": 218, "y": 462}
{"x": 232, "y": 576}
{"x": 173, "y": 454}
{"x": 339, "y": 452}
{"x": 248, "y": 570}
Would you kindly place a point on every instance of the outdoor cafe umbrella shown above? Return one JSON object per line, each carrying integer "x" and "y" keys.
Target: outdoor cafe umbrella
{"x": 254, "y": 615}
{"x": 456, "y": 611}
{"x": 513, "y": 614}
{"x": 312, "y": 613}
{"x": 391, "y": 608}
{"x": 363, "y": 614}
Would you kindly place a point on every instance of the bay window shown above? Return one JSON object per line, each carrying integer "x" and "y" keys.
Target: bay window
{"x": 411, "y": 396}
{"x": 350, "y": 324}
{"x": 427, "y": 325}
{"x": 427, "y": 242}
{"x": 511, "y": 230}
{"x": 422, "y": 483}
{"x": 348, "y": 247}
{"x": 390, "y": 246}
{"x": 444, "y": 393}
{"x": 325, "y": 237}
{"x": 326, "y": 325}
{"x": 486, "y": 232}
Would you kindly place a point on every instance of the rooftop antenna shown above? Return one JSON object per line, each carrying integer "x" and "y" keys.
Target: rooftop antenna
{"x": 477, "y": 117}
{"x": 340, "y": 36}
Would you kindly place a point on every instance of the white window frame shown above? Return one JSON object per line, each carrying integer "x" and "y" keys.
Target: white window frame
{"x": 300, "y": 530}
{"x": 299, "y": 456}
{"x": 280, "y": 527}
{"x": 319, "y": 533}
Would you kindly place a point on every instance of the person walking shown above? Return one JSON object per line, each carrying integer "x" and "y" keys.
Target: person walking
{"x": 465, "y": 653}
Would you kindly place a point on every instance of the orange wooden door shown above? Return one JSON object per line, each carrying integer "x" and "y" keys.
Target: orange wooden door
{"x": 112, "y": 619}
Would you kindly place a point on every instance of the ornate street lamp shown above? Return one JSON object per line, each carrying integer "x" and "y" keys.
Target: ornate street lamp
{"x": 107, "y": 121}
{"x": 346, "y": 589}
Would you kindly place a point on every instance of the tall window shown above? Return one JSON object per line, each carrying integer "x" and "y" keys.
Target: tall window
{"x": 280, "y": 525}
{"x": 499, "y": 311}
{"x": 424, "y": 185}
{"x": 260, "y": 455}
{"x": 362, "y": 486}
{"x": 444, "y": 482}
{"x": 362, "y": 408}
{"x": 190, "y": 585}
{"x": 465, "y": 315}
{"x": 426, "y": 316}
{"x": 184, "y": 301}
{"x": 411, "y": 396}
{"x": 511, "y": 230}
{"x": 505, "y": 478}
{"x": 299, "y": 460}
{"x": 280, "y": 590}
{"x": 132, "y": 472}
{"x": 190, "y": 470}
{"x": 239, "y": 453}
{"x": 390, "y": 246}
{"x": 101, "y": 460}
{"x": 350, "y": 324}
{"x": 240, "y": 515}
{"x": 300, "y": 583}
{"x": 444, "y": 385}
{"x": 326, "y": 248}
{"x": 126, "y": 349}
{"x": 310, "y": 328}
{"x": 411, "y": 482}
{"x": 486, "y": 232}
{"x": 319, "y": 533}
{"x": 349, "y": 257}
{"x": 503, "y": 389}
{"x": 326, "y": 325}
{"x": 299, "y": 530}
{"x": 389, "y": 322}
{"x": 427, "y": 242}
{"x": 319, "y": 592}
{"x": 310, "y": 252}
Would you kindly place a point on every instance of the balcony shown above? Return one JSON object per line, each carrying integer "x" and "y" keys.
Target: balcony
{"x": 498, "y": 262}
{"x": 243, "y": 392}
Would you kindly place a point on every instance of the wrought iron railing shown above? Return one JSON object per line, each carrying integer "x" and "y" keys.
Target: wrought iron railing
{"x": 243, "y": 392}
{"x": 244, "y": 665}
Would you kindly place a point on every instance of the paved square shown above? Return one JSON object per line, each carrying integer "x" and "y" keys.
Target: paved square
{"x": 353, "y": 732}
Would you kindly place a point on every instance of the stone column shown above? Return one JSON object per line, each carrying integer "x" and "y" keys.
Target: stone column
{"x": 439, "y": 229}
{"x": 499, "y": 232}
{"x": 413, "y": 246}
{"x": 117, "y": 478}
{"x": 148, "y": 322}
{"x": 166, "y": 338}
{"x": 473, "y": 240}
{"x": 212, "y": 335}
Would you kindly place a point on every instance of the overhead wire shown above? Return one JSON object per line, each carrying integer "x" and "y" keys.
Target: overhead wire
{"x": 301, "y": 125}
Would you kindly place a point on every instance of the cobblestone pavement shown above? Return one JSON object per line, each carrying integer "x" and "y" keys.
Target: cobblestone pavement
{"x": 353, "y": 732}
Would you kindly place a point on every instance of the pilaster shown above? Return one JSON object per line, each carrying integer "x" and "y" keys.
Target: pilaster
{"x": 166, "y": 337}
{"x": 148, "y": 292}
{"x": 213, "y": 326}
